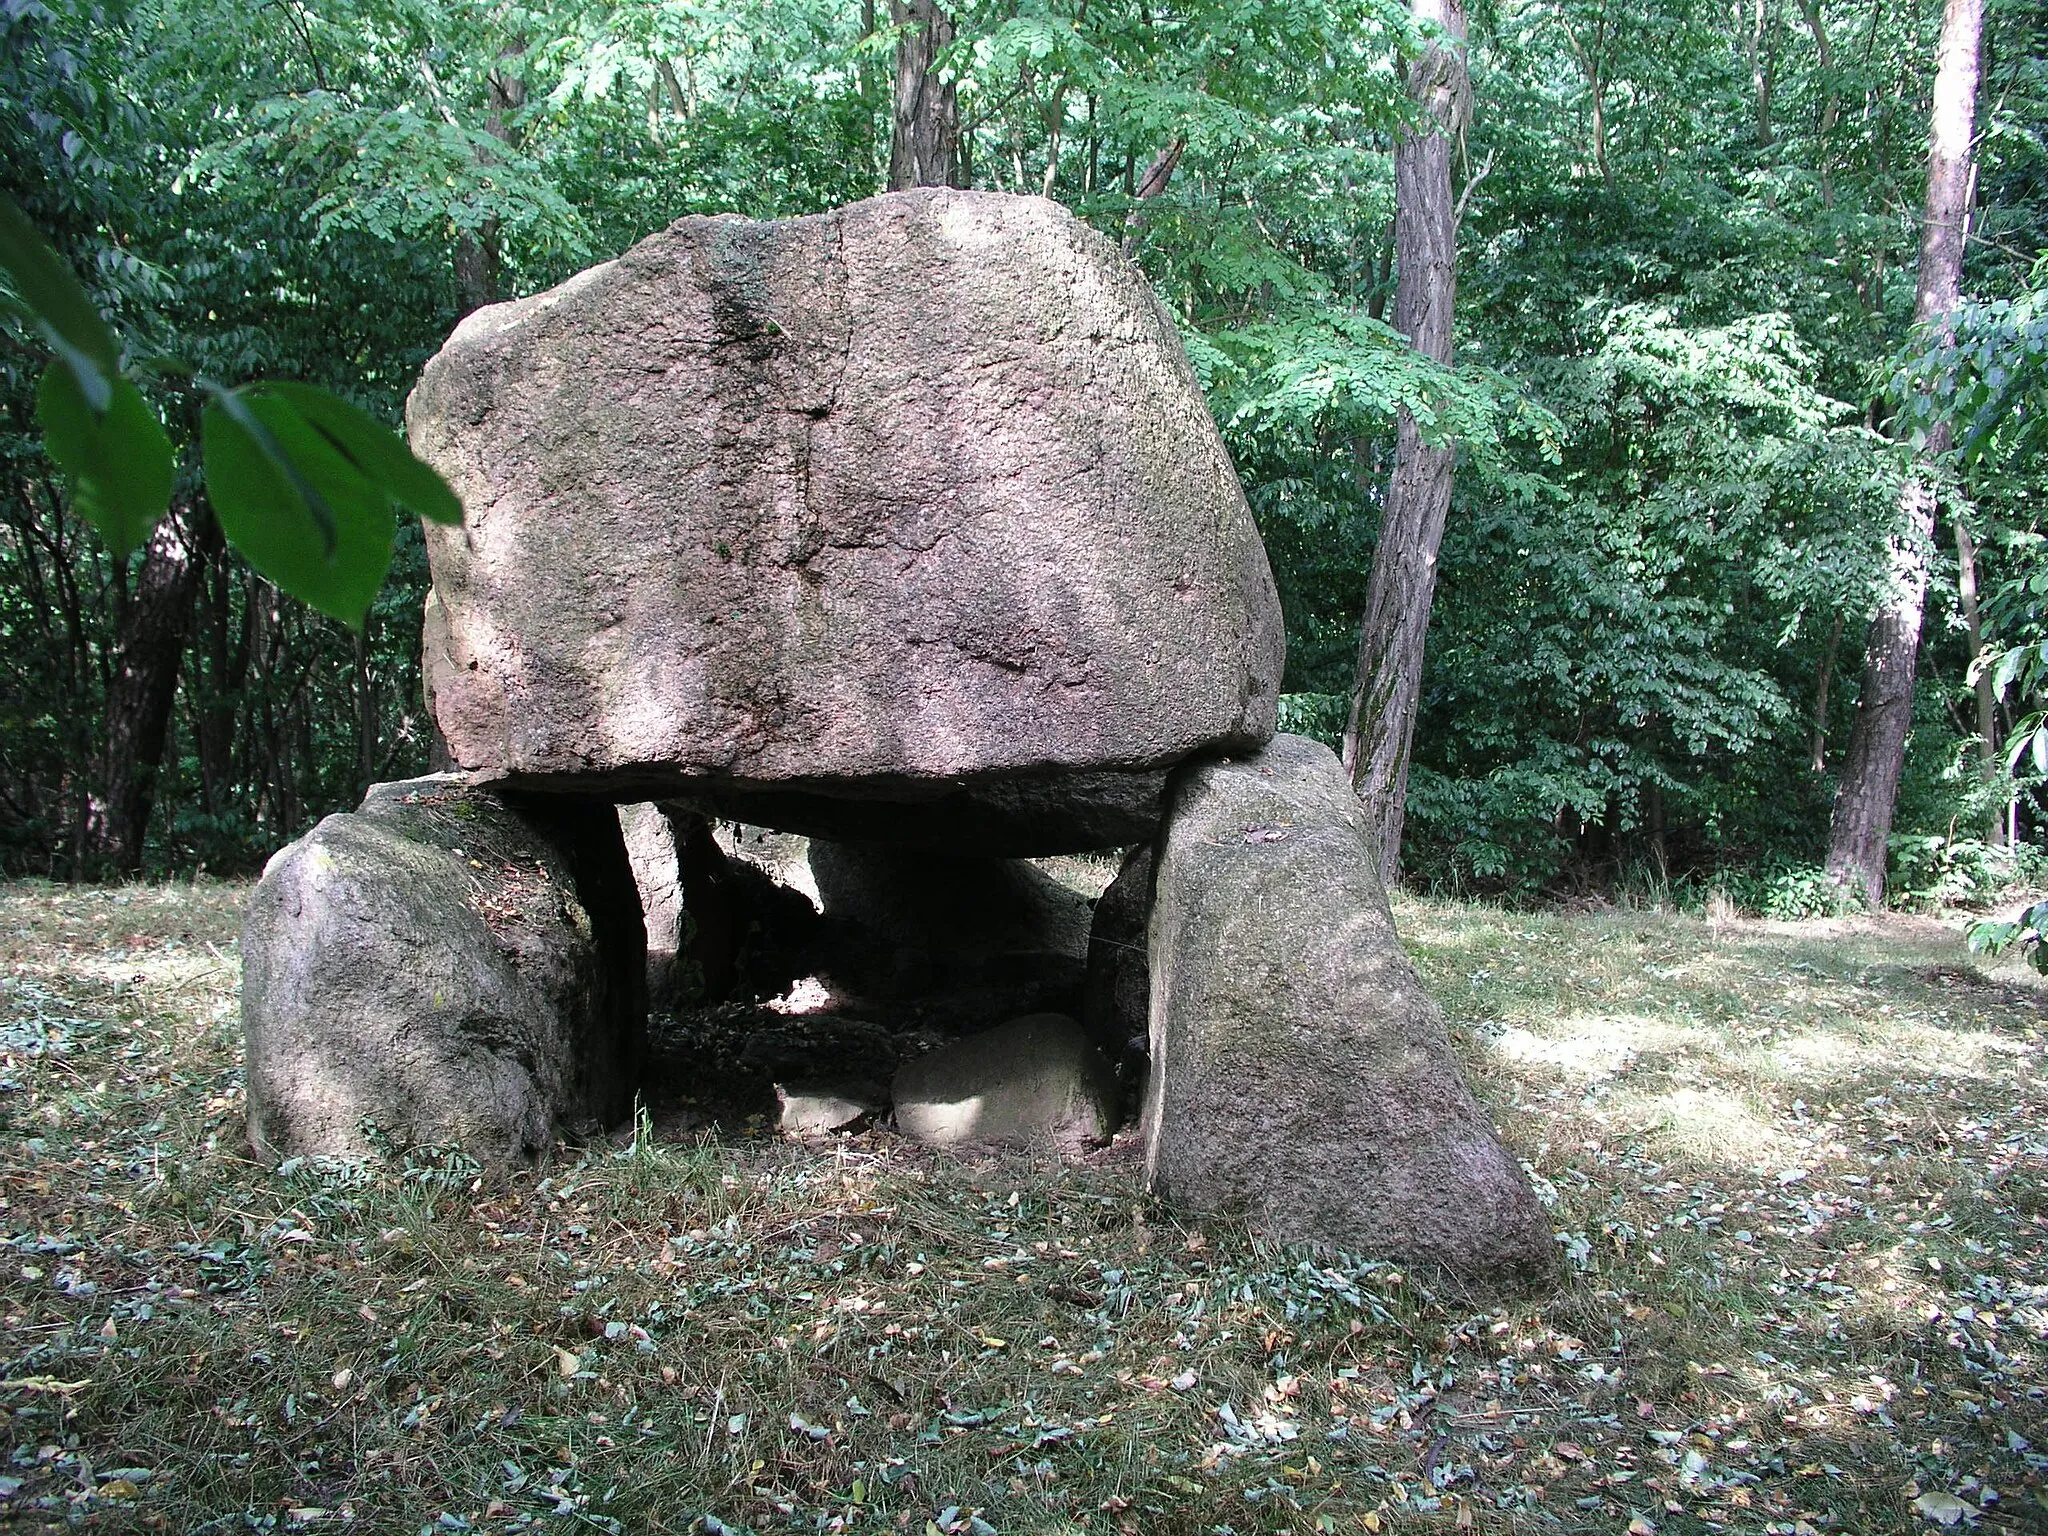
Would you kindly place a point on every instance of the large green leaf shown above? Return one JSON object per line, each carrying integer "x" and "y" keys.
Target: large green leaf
{"x": 298, "y": 509}
{"x": 377, "y": 452}
{"x": 60, "y": 308}
{"x": 117, "y": 462}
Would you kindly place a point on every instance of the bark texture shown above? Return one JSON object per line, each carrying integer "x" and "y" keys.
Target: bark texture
{"x": 1158, "y": 177}
{"x": 479, "y": 254}
{"x": 1877, "y": 747}
{"x": 149, "y": 650}
{"x": 1381, "y": 725}
{"x": 924, "y": 141}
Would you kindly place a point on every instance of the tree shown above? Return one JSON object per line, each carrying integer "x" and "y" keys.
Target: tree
{"x": 924, "y": 142}
{"x": 304, "y": 482}
{"x": 1380, "y": 726}
{"x": 1858, "y": 838}
{"x": 150, "y": 628}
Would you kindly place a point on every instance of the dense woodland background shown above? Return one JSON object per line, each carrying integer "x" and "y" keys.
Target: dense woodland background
{"x": 1685, "y": 390}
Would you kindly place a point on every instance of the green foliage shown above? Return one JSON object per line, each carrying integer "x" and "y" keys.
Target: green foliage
{"x": 2029, "y": 935}
{"x": 1932, "y": 872}
{"x": 116, "y": 459}
{"x": 304, "y": 485}
{"x": 303, "y": 482}
{"x": 1318, "y": 715}
{"x": 49, "y": 298}
{"x": 1984, "y": 372}
{"x": 1787, "y": 892}
{"x": 1632, "y": 639}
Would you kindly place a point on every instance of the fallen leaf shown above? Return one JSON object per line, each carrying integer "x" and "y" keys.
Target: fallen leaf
{"x": 1944, "y": 1508}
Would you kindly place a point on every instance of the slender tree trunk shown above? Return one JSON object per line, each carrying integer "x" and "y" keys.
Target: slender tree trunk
{"x": 1376, "y": 305}
{"x": 1820, "y": 697}
{"x": 149, "y": 650}
{"x": 1986, "y": 695}
{"x": 1388, "y": 686}
{"x": 479, "y": 255}
{"x": 1763, "y": 65}
{"x": 1592, "y": 60}
{"x": 924, "y": 144}
{"x": 1877, "y": 747}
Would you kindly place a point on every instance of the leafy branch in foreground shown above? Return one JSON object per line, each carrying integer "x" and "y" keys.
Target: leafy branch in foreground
{"x": 303, "y": 482}
{"x": 2029, "y": 932}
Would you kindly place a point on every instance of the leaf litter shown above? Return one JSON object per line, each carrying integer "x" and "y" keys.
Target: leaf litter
{"x": 1797, "y": 1175}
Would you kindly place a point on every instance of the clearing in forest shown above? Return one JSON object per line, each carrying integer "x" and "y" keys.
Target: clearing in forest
{"x": 1797, "y": 1171}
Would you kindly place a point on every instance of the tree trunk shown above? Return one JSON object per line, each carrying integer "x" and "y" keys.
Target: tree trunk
{"x": 1763, "y": 65}
{"x": 149, "y": 649}
{"x": 1388, "y": 686}
{"x": 479, "y": 255}
{"x": 924, "y": 142}
{"x": 1819, "y": 744}
{"x": 1877, "y": 747}
{"x": 1986, "y": 694}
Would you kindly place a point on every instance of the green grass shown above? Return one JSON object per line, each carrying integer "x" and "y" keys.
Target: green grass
{"x": 1798, "y": 1171}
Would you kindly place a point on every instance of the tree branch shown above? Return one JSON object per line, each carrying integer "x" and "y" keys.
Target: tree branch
{"x": 1472, "y": 185}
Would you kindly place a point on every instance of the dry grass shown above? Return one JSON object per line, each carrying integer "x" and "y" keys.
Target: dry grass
{"x": 1799, "y": 1172}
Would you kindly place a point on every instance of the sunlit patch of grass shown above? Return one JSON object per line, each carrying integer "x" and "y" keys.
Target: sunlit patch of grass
{"x": 1594, "y": 1045}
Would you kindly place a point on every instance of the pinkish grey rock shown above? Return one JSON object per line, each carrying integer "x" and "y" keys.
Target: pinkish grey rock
{"x": 914, "y": 496}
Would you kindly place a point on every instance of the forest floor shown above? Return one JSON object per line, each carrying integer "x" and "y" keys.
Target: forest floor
{"x": 1800, "y": 1174}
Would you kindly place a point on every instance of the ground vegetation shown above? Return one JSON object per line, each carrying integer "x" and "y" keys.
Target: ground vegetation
{"x": 1686, "y": 394}
{"x": 1795, "y": 1170}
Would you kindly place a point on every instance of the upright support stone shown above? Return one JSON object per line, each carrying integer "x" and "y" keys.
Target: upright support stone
{"x": 650, "y": 837}
{"x": 1117, "y": 1005}
{"x": 1300, "y": 1074}
{"x": 443, "y": 967}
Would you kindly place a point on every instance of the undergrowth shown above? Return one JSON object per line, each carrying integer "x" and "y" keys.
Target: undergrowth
{"x": 1797, "y": 1177}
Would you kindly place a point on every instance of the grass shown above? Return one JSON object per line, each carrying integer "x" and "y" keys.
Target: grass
{"x": 1797, "y": 1172}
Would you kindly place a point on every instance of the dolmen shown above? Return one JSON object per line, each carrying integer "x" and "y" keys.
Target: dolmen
{"x": 903, "y": 528}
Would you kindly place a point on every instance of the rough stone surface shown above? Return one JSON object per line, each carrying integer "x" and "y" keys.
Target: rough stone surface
{"x": 784, "y": 857}
{"x": 918, "y": 495}
{"x": 1034, "y": 1079}
{"x": 1118, "y": 991}
{"x": 450, "y": 967}
{"x": 651, "y": 849}
{"x": 1011, "y": 818}
{"x": 956, "y": 912}
{"x": 809, "y": 1110}
{"x": 1300, "y": 1074}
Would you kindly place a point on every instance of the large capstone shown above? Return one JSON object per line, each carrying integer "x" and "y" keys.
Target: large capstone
{"x": 442, "y": 968}
{"x": 1300, "y": 1074}
{"x": 913, "y": 504}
